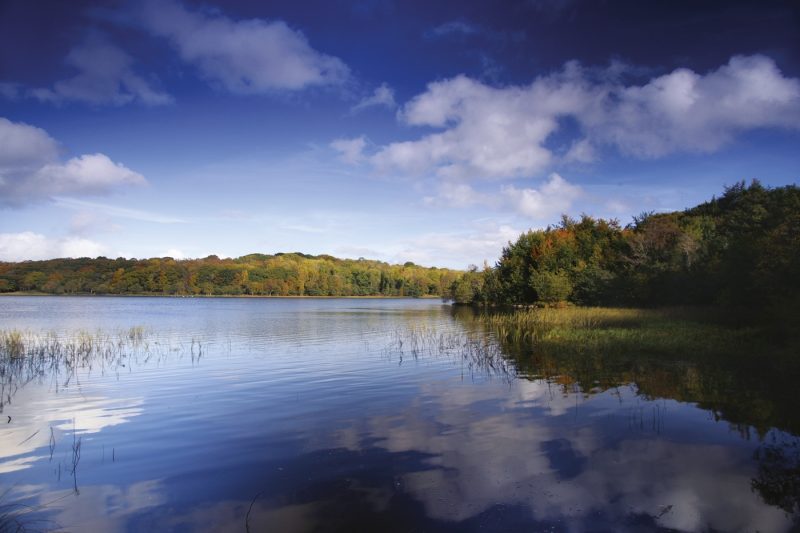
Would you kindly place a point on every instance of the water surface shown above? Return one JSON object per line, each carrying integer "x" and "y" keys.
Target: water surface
{"x": 380, "y": 415}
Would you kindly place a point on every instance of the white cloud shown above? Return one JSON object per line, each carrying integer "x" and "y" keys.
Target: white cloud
{"x": 30, "y": 170}
{"x": 350, "y": 150}
{"x": 686, "y": 111}
{"x": 105, "y": 77}
{"x": 581, "y": 151}
{"x": 247, "y": 56}
{"x": 24, "y": 147}
{"x": 458, "y": 195}
{"x": 488, "y": 132}
{"x": 32, "y": 246}
{"x": 383, "y": 96}
{"x": 457, "y": 250}
{"x": 503, "y": 133}
{"x": 552, "y": 199}
{"x": 88, "y": 174}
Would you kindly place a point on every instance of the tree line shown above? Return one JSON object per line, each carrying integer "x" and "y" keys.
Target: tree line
{"x": 290, "y": 274}
{"x": 739, "y": 250}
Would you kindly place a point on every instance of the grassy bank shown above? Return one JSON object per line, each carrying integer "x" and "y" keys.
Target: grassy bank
{"x": 744, "y": 374}
{"x": 625, "y": 330}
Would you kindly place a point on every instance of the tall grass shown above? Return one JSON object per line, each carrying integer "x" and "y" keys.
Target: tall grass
{"x": 26, "y": 356}
{"x": 576, "y": 337}
{"x": 581, "y": 329}
{"x": 473, "y": 350}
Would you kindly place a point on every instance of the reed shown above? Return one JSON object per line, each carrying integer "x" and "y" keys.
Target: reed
{"x": 582, "y": 329}
{"x": 473, "y": 350}
{"x": 26, "y": 355}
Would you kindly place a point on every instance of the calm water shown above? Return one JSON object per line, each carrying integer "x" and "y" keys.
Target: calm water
{"x": 371, "y": 415}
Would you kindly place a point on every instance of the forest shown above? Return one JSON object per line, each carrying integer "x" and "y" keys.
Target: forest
{"x": 740, "y": 250}
{"x": 281, "y": 274}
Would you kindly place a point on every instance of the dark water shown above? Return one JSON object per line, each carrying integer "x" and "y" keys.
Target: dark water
{"x": 373, "y": 415}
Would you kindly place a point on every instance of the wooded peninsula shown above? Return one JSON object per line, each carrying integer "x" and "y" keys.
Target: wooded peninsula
{"x": 741, "y": 250}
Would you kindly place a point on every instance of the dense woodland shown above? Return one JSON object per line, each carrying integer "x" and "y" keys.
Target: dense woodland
{"x": 739, "y": 250}
{"x": 293, "y": 274}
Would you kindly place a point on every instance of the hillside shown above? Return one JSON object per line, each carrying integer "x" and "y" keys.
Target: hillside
{"x": 282, "y": 274}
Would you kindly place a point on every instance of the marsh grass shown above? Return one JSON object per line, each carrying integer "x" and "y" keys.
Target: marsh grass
{"x": 26, "y": 356}
{"x": 539, "y": 341}
{"x": 672, "y": 331}
{"x": 736, "y": 370}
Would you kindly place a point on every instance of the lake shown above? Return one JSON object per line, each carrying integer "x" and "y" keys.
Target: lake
{"x": 229, "y": 414}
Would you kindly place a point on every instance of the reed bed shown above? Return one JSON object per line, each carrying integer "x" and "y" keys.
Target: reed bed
{"x": 475, "y": 351}
{"x": 580, "y": 329}
{"x": 501, "y": 343}
{"x": 26, "y": 355}
{"x": 82, "y": 348}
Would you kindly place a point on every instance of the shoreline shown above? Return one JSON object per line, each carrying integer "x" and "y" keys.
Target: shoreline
{"x": 149, "y": 295}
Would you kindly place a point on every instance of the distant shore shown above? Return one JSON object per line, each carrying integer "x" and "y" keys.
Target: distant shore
{"x": 150, "y": 295}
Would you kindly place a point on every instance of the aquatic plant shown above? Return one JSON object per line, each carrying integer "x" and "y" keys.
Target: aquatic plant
{"x": 475, "y": 351}
{"x": 26, "y": 355}
{"x": 592, "y": 329}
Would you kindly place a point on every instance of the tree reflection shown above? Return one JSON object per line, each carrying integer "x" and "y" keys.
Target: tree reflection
{"x": 778, "y": 478}
{"x": 753, "y": 389}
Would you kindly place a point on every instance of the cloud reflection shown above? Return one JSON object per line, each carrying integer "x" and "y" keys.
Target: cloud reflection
{"x": 34, "y": 412}
{"x": 534, "y": 452}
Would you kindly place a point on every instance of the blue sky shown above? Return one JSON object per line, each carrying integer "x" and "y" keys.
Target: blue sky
{"x": 433, "y": 132}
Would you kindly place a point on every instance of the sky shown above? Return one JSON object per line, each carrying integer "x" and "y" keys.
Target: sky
{"x": 425, "y": 131}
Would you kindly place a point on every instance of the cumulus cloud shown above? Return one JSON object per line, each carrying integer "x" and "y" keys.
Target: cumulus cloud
{"x": 33, "y": 246}
{"x": 459, "y": 195}
{"x": 30, "y": 170}
{"x": 487, "y": 132}
{"x": 383, "y": 96}
{"x": 245, "y": 57}
{"x": 581, "y": 151}
{"x": 86, "y": 174}
{"x": 455, "y": 249}
{"x": 105, "y": 77}
{"x": 554, "y": 197}
{"x": 350, "y": 150}
{"x": 24, "y": 147}
{"x": 686, "y": 111}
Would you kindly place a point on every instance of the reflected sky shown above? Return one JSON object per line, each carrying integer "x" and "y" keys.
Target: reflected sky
{"x": 311, "y": 416}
